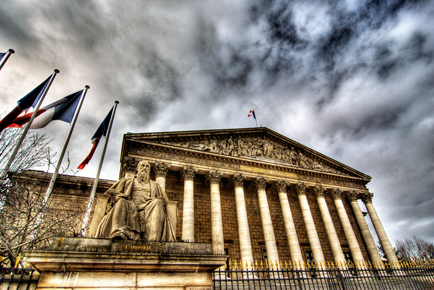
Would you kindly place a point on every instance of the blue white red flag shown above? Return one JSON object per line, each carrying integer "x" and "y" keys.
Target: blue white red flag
{"x": 30, "y": 100}
{"x": 62, "y": 110}
{"x": 102, "y": 131}
{"x": 252, "y": 113}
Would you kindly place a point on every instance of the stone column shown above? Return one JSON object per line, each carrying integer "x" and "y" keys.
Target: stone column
{"x": 312, "y": 234}
{"x": 291, "y": 233}
{"x": 218, "y": 246}
{"x": 243, "y": 224}
{"x": 348, "y": 229}
{"x": 188, "y": 210}
{"x": 161, "y": 170}
{"x": 267, "y": 224}
{"x": 335, "y": 244}
{"x": 364, "y": 229}
{"x": 381, "y": 233}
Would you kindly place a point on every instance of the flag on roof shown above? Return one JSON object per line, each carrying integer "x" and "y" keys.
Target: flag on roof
{"x": 252, "y": 113}
{"x": 62, "y": 110}
{"x": 30, "y": 100}
{"x": 101, "y": 131}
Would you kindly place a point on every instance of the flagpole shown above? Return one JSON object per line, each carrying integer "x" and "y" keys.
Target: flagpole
{"x": 6, "y": 57}
{"x": 255, "y": 118}
{"x": 65, "y": 145}
{"x": 23, "y": 135}
{"x": 95, "y": 183}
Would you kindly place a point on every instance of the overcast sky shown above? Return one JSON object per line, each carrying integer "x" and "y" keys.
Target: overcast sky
{"x": 351, "y": 79}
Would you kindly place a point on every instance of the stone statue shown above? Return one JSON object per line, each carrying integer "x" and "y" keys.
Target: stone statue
{"x": 140, "y": 211}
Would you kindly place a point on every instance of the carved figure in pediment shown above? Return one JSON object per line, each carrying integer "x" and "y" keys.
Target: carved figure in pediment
{"x": 304, "y": 161}
{"x": 210, "y": 147}
{"x": 317, "y": 165}
{"x": 243, "y": 149}
{"x": 231, "y": 147}
{"x": 267, "y": 147}
{"x": 277, "y": 153}
{"x": 285, "y": 154}
{"x": 293, "y": 157}
{"x": 222, "y": 149}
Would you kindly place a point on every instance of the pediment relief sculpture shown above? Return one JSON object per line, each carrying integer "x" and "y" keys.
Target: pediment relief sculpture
{"x": 259, "y": 149}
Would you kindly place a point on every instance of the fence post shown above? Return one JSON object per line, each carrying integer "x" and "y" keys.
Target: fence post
{"x": 342, "y": 279}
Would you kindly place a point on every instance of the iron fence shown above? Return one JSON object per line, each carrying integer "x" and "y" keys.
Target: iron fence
{"x": 411, "y": 276}
{"x": 18, "y": 279}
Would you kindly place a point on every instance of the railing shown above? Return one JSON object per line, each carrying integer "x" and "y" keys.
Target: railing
{"x": 18, "y": 278}
{"x": 412, "y": 276}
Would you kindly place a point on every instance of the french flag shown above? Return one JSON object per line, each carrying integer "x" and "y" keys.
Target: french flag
{"x": 251, "y": 113}
{"x": 30, "y": 100}
{"x": 62, "y": 110}
{"x": 101, "y": 131}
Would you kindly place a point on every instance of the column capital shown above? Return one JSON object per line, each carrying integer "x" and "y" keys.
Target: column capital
{"x": 214, "y": 176}
{"x": 367, "y": 197}
{"x": 318, "y": 190}
{"x": 238, "y": 179}
{"x": 161, "y": 169}
{"x": 336, "y": 193}
{"x": 352, "y": 195}
{"x": 130, "y": 164}
{"x": 300, "y": 188}
{"x": 188, "y": 173}
{"x": 281, "y": 185}
{"x": 261, "y": 182}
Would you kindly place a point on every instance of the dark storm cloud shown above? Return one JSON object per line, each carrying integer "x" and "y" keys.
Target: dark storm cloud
{"x": 10, "y": 28}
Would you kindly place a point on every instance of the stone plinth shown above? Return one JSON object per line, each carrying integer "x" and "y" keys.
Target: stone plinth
{"x": 80, "y": 263}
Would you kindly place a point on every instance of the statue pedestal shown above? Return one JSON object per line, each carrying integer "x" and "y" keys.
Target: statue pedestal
{"x": 81, "y": 263}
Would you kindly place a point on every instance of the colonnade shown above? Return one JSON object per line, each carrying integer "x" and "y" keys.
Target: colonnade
{"x": 214, "y": 178}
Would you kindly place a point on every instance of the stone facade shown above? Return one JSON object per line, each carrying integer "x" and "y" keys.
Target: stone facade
{"x": 179, "y": 157}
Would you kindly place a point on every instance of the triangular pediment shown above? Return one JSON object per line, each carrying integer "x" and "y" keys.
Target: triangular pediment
{"x": 253, "y": 144}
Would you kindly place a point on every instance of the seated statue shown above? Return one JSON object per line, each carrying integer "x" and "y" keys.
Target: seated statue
{"x": 140, "y": 211}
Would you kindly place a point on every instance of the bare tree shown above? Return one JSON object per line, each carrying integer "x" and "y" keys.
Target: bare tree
{"x": 21, "y": 204}
{"x": 32, "y": 152}
{"x": 415, "y": 248}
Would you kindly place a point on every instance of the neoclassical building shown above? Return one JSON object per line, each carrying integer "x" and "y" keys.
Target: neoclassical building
{"x": 255, "y": 194}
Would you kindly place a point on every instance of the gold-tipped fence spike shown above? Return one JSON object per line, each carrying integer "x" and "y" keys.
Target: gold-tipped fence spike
{"x": 271, "y": 265}
{"x": 286, "y": 265}
{"x": 281, "y": 265}
{"x": 230, "y": 264}
{"x": 333, "y": 265}
{"x": 251, "y": 264}
{"x": 290, "y": 264}
{"x": 247, "y": 265}
{"x": 235, "y": 264}
{"x": 262, "y": 265}
{"x": 256, "y": 264}
{"x": 266, "y": 264}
